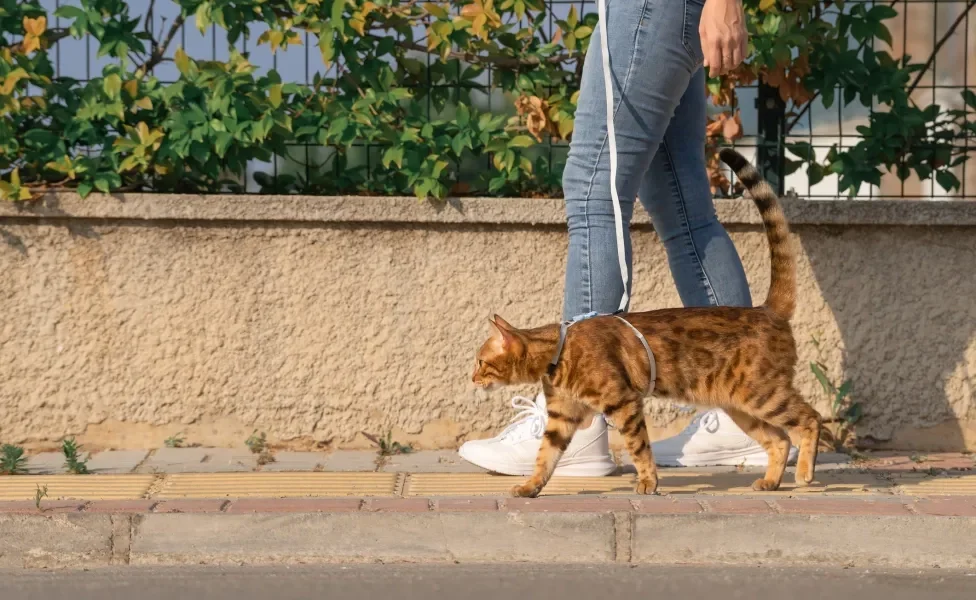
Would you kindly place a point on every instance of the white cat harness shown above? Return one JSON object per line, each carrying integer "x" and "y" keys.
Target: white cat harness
{"x": 564, "y": 328}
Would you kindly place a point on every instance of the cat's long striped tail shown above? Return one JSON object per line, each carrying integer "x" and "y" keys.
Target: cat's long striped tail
{"x": 782, "y": 286}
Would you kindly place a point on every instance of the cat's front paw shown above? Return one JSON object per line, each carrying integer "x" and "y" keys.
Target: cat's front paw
{"x": 526, "y": 491}
{"x": 765, "y": 485}
{"x": 647, "y": 486}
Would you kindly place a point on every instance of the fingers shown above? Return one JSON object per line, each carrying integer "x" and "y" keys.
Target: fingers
{"x": 712, "y": 52}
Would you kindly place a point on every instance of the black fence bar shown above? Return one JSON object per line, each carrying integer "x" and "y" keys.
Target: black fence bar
{"x": 770, "y": 150}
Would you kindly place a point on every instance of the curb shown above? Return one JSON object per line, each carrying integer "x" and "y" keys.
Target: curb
{"x": 831, "y": 532}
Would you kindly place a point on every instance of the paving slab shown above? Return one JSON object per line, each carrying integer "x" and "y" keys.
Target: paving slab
{"x": 45, "y": 463}
{"x": 429, "y": 461}
{"x": 351, "y": 460}
{"x": 297, "y": 461}
{"x": 199, "y": 460}
{"x": 116, "y": 461}
{"x": 373, "y": 536}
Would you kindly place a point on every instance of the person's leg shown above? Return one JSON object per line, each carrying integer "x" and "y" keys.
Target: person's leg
{"x": 651, "y": 67}
{"x": 676, "y": 194}
{"x": 653, "y": 55}
{"x": 704, "y": 264}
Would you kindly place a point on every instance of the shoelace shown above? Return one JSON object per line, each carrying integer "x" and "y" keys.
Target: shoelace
{"x": 708, "y": 421}
{"x": 531, "y": 418}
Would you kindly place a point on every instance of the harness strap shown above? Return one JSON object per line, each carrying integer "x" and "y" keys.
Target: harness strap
{"x": 650, "y": 355}
{"x": 564, "y": 328}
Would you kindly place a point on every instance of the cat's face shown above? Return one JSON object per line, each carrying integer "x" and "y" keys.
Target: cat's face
{"x": 499, "y": 357}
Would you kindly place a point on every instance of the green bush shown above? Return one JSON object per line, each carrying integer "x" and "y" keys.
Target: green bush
{"x": 414, "y": 98}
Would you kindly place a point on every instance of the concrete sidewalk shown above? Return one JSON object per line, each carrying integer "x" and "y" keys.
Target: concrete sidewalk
{"x": 895, "y": 510}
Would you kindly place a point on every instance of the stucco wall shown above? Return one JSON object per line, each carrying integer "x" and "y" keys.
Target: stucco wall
{"x": 316, "y": 319}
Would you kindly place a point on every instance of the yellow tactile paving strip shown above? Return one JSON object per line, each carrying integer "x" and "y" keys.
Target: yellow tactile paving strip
{"x": 277, "y": 485}
{"x": 298, "y": 485}
{"x": 80, "y": 487}
{"x": 941, "y": 486}
{"x": 473, "y": 484}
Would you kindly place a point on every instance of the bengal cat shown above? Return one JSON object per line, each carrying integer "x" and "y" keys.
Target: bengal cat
{"x": 741, "y": 360}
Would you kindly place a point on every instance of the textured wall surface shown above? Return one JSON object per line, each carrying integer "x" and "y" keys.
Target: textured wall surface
{"x": 319, "y": 319}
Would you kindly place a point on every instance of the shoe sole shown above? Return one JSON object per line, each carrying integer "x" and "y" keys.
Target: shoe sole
{"x": 731, "y": 458}
{"x": 565, "y": 468}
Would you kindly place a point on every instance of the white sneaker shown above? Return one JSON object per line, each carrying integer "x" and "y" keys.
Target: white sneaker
{"x": 513, "y": 452}
{"x": 712, "y": 439}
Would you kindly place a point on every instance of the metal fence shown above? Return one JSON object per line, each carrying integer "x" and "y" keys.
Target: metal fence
{"x": 922, "y": 30}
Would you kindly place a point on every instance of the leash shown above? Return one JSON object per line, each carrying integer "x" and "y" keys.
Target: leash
{"x": 612, "y": 137}
{"x": 617, "y": 218}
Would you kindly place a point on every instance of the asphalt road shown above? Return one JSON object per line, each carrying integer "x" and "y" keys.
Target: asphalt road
{"x": 426, "y": 582}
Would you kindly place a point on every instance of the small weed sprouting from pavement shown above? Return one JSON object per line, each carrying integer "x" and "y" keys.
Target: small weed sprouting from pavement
{"x": 844, "y": 411}
{"x": 12, "y": 460}
{"x": 72, "y": 457}
{"x": 258, "y": 444}
{"x": 387, "y": 447}
{"x": 918, "y": 458}
{"x": 174, "y": 441}
{"x": 39, "y": 495}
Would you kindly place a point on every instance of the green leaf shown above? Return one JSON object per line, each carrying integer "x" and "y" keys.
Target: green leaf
{"x": 521, "y": 141}
{"x": 274, "y": 95}
{"x": 970, "y": 98}
{"x": 327, "y": 44}
{"x": 947, "y": 180}
{"x": 818, "y": 372}
{"x": 112, "y": 85}
{"x": 69, "y": 12}
{"x": 463, "y": 116}
{"x": 881, "y": 13}
{"x": 394, "y": 154}
{"x": 815, "y": 174}
{"x": 338, "y": 6}
{"x": 102, "y": 184}
{"x": 802, "y": 149}
{"x": 844, "y": 390}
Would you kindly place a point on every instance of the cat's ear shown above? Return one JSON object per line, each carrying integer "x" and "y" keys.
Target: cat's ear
{"x": 501, "y": 323}
{"x": 503, "y": 332}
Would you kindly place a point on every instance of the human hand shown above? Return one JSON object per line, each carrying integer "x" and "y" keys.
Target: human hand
{"x": 724, "y": 38}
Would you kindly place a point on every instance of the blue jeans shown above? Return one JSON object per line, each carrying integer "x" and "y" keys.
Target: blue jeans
{"x": 659, "y": 118}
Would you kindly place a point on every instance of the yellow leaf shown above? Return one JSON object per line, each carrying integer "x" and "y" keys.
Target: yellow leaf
{"x": 142, "y": 130}
{"x": 36, "y": 26}
{"x": 472, "y": 10}
{"x": 565, "y": 127}
{"x": 437, "y": 10}
{"x": 274, "y": 95}
{"x": 358, "y": 23}
{"x": 129, "y": 163}
{"x": 294, "y": 39}
{"x": 131, "y": 87}
{"x": 15, "y": 177}
{"x": 30, "y": 43}
{"x": 182, "y": 61}
{"x": 766, "y": 4}
{"x": 7, "y": 88}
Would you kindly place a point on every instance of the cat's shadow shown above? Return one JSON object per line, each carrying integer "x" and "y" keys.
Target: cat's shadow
{"x": 905, "y": 322}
